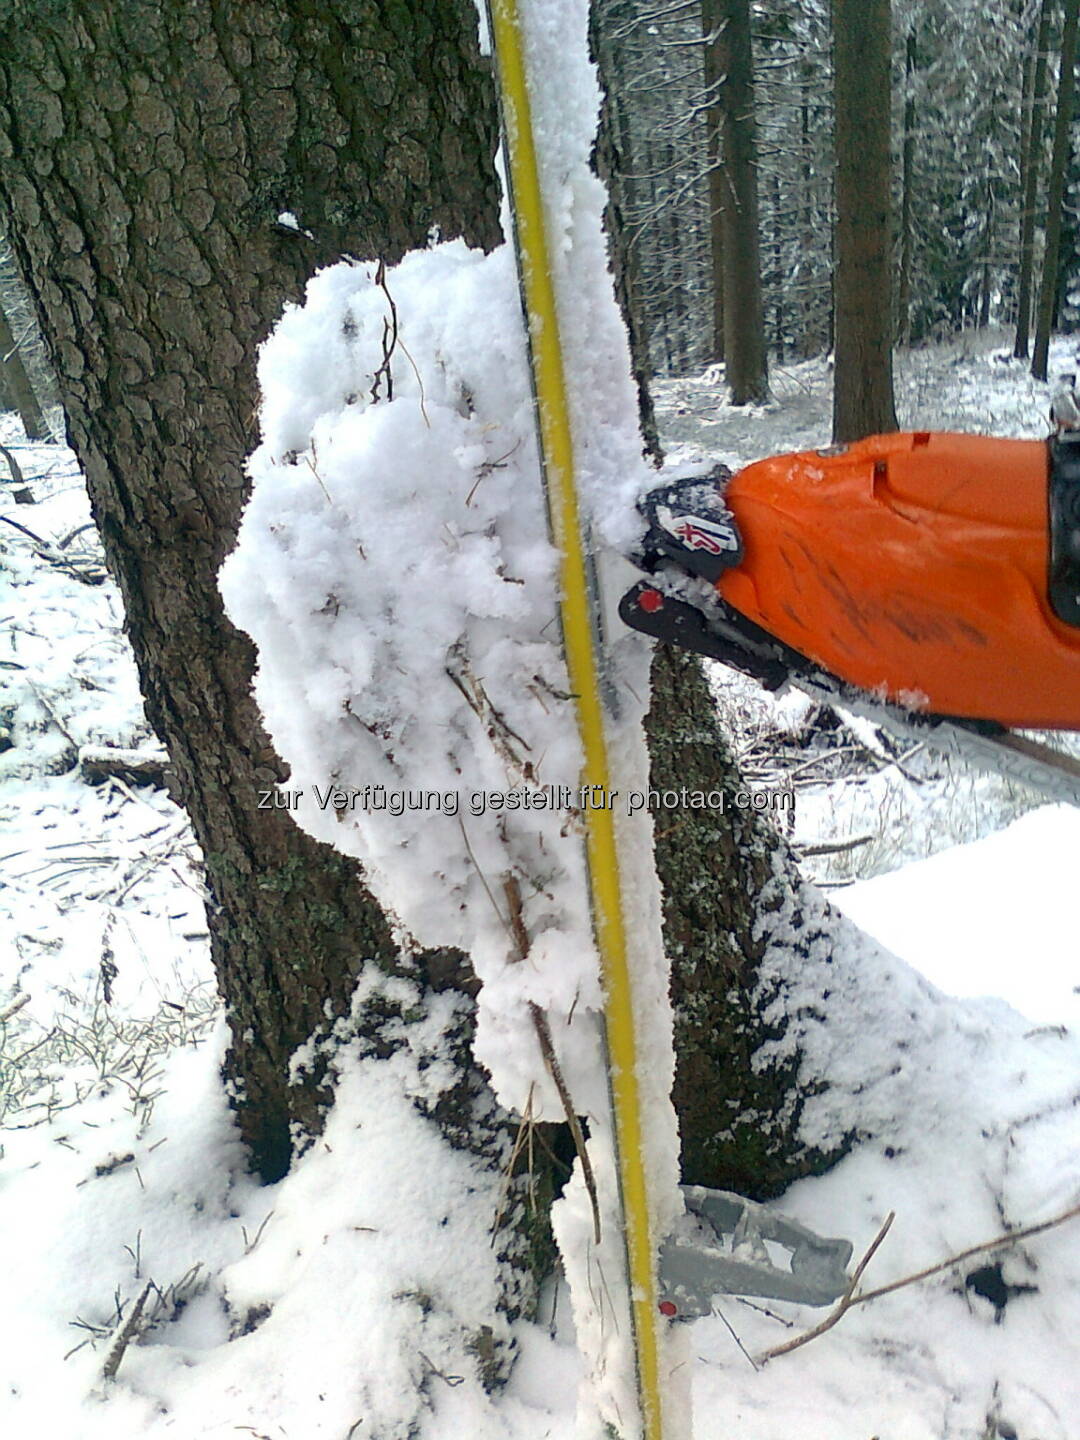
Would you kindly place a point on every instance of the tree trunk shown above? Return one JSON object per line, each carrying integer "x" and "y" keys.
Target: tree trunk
{"x": 1048, "y": 288}
{"x": 17, "y": 384}
{"x": 779, "y": 319}
{"x": 714, "y": 156}
{"x": 147, "y": 153}
{"x": 744, "y": 321}
{"x": 907, "y": 180}
{"x": 1031, "y": 152}
{"x": 614, "y": 162}
{"x": 863, "y": 388}
{"x": 985, "y": 286}
{"x": 724, "y": 875}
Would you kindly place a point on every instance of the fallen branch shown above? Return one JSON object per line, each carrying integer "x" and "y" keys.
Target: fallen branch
{"x": 835, "y": 847}
{"x": 137, "y": 767}
{"x": 843, "y": 1306}
{"x": 123, "y": 1340}
{"x": 14, "y": 1008}
{"x": 1011, "y": 1237}
{"x": 850, "y": 1299}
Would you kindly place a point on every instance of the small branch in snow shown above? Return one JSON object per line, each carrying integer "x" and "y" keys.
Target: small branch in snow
{"x": 523, "y": 1137}
{"x": 850, "y": 1300}
{"x": 123, "y": 1340}
{"x": 389, "y": 340}
{"x": 735, "y": 1337}
{"x": 845, "y": 1303}
{"x": 14, "y": 1008}
{"x": 512, "y": 891}
{"x": 1012, "y": 1237}
{"x": 551, "y": 1060}
{"x": 495, "y": 726}
{"x": 252, "y": 1241}
{"x": 433, "y": 1369}
{"x": 90, "y": 574}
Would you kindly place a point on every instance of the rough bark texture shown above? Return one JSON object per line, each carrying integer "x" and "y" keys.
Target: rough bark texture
{"x": 1031, "y": 151}
{"x": 739, "y": 1122}
{"x": 1048, "y": 288}
{"x": 612, "y": 162}
{"x": 863, "y": 388}
{"x": 145, "y": 154}
{"x": 16, "y": 384}
{"x": 907, "y": 182}
{"x": 714, "y": 155}
{"x": 730, "y": 56}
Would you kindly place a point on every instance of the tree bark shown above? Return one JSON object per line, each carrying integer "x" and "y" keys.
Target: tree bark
{"x": 863, "y": 388}
{"x": 1031, "y": 152}
{"x": 17, "y": 385}
{"x": 907, "y": 181}
{"x": 728, "y": 25}
{"x": 714, "y": 156}
{"x": 724, "y": 874}
{"x": 777, "y": 279}
{"x": 613, "y": 162}
{"x": 145, "y": 155}
{"x": 1048, "y": 289}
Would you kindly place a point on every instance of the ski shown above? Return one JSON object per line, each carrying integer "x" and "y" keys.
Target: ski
{"x": 582, "y": 644}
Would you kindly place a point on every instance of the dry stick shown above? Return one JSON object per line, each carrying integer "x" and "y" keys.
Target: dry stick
{"x": 14, "y": 1008}
{"x": 123, "y": 1340}
{"x": 1010, "y": 1238}
{"x": 519, "y": 936}
{"x": 844, "y": 1305}
{"x": 849, "y": 1301}
{"x": 547, "y": 1049}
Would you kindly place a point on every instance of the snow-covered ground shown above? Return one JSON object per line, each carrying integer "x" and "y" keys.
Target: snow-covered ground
{"x": 120, "y": 1165}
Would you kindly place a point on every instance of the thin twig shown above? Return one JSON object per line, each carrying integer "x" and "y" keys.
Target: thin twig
{"x": 734, "y": 1336}
{"x": 1010, "y": 1238}
{"x": 842, "y": 1307}
{"x": 123, "y": 1340}
{"x": 850, "y": 1300}
{"x": 551, "y": 1060}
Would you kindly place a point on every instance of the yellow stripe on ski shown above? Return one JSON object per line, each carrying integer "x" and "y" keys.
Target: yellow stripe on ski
{"x": 557, "y": 456}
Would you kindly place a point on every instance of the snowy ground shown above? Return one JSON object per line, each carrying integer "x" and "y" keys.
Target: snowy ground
{"x": 120, "y": 1167}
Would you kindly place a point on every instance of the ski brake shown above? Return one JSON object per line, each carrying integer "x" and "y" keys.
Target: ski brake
{"x": 720, "y": 1249}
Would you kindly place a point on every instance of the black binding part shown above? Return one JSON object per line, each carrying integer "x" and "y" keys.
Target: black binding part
{"x": 1064, "y": 569}
{"x": 651, "y": 612}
